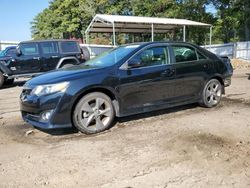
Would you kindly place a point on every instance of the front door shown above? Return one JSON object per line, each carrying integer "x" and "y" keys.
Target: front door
{"x": 28, "y": 61}
{"x": 149, "y": 83}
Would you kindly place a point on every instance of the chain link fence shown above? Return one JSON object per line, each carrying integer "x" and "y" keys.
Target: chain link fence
{"x": 238, "y": 50}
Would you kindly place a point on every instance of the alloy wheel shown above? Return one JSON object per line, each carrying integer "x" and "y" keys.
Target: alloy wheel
{"x": 213, "y": 93}
{"x": 95, "y": 114}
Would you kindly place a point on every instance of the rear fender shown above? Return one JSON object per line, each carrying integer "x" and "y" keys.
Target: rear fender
{"x": 67, "y": 58}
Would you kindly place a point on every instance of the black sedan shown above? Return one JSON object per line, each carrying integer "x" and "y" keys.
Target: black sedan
{"x": 131, "y": 79}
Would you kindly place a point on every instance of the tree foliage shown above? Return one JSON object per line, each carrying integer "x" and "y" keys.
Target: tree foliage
{"x": 69, "y": 18}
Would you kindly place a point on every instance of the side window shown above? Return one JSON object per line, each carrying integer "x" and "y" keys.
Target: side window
{"x": 152, "y": 56}
{"x": 201, "y": 56}
{"x": 49, "y": 47}
{"x": 29, "y": 49}
{"x": 11, "y": 52}
{"x": 184, "y": 53}
{"x": 69, "y": 47}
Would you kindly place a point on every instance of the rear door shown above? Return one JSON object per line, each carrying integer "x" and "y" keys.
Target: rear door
{"x": 192, "y": 69}
{"x": 28, "y": 61}
{"x": 50, "y": 55}
{"x": 150, "y": 85}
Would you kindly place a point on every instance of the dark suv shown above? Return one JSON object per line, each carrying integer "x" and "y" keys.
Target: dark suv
{"x": 35, "y": 57}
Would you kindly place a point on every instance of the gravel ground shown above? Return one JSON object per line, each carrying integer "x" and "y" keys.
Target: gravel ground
{"x": 188, "y": 146}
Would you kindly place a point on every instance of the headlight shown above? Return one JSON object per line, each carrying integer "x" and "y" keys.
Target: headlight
{"x": 51, "y": 88}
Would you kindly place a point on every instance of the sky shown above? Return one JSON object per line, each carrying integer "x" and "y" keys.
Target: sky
{"x": 16, "y": 15}
{"x": 15, "y": 18}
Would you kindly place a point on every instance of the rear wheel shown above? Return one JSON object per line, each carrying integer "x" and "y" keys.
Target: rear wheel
{"x": 94, "y": 113}
{"x": 212, "y": 93}
{"x": 1, "y": 79}
{"x": 67, "y": 65}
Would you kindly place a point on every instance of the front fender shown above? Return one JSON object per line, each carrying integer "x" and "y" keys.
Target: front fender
{"x": 5, "y": 70}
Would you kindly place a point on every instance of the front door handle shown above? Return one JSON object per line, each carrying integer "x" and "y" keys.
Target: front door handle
{"x": 168, "y": 72}
{"x": 36, "y": 58}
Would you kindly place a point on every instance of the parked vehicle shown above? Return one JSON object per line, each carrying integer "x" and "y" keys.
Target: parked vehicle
{"x": 9, "y": 51}
{"x": 92, "y": 50}
{"x": 130, "y": 79}
{"x": 36, "y": 57}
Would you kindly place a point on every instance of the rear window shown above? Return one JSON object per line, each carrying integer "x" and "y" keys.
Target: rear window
{"x": 69, "y": 47}
{"x": 184, "y": 53}
{"x": 49, "y": 47}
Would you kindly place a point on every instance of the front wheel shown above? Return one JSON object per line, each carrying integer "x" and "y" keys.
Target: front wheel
{"x": 94, "y": 113}
{"x": 212, "y": 94}
{"x": 1, "y": 79}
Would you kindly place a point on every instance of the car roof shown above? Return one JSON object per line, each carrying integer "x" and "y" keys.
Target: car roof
{"x": 50, "y": 40}
{"x": 159, "y": 42}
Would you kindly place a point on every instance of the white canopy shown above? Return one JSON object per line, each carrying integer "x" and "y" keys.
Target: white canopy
{"x": 103, "y": 23}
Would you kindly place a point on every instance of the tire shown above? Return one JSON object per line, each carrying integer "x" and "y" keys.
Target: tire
{"x": 94, "y": 113}
{"x": 9, "y": 81}
{"x": 212, "y": 94}
{"x": 1, "y": 80}
{"x": 67, "y": 65}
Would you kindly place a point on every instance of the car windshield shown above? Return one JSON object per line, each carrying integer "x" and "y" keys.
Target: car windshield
{"x": 2, "y": 53}
{"x": 111, "y": 57}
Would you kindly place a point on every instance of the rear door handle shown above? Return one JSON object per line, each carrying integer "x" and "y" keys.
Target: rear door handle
{"x": 36, "y": 58}
{"x": 54, "y": 56}
{"x": 206, "y": 66}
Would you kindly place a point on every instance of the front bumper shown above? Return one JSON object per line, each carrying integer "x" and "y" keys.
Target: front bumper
{"x": 32, "y": 108}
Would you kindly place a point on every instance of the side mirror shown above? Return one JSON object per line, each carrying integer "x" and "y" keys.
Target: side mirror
{"x": 132, "y": 63}
{"x": 18, "y": 52}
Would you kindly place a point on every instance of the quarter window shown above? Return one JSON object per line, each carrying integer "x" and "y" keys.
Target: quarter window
{"x": 69, "y": 47}
{"x": 152, "y": 56}
{"x": 49, "y": 47}
{"x": 29, "y": 49}
{"x": 183, "y": 53}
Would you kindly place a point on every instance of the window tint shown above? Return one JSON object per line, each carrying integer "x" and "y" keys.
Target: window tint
{"x": 183, "y": 53}
{"x": 152, "y": 56}
{"x": 201, "y": 56}
{"x": 95, "y": 51}
{"x": 69, "y": 46}
{"x": 11, "y": 52}
{"x": 49, "y": 47}
{"x": 29, "y": 49}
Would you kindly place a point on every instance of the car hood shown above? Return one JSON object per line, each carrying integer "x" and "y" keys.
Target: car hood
{"x": 68, "y": 74}
{"x": 5, "y": 58}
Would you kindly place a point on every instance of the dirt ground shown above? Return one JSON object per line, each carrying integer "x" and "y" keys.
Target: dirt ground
{"x": 188, "y": 146}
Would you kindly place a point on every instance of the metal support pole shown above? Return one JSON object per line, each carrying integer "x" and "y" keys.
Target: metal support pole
{"x": 210, "y": 37}
{"x": 114, "y": 42}
{"x": 184, "y": 33}
{"x": 87, "y": 37}
{"x": 152, "y": 32}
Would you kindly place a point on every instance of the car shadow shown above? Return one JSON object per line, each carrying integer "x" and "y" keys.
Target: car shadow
{"x": 69, "y": 131}
{"x": 156, "y": 113}
{"x": 15, "y": 84}
{"x": 248, "y": 74}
